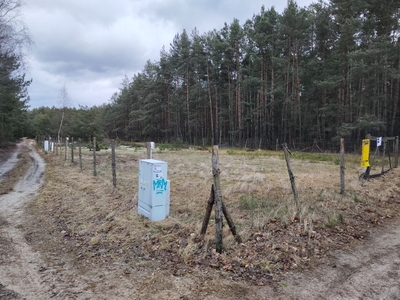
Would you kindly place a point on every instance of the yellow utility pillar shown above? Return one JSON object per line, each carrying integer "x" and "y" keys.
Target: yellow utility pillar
{"x": 365, "y": 153}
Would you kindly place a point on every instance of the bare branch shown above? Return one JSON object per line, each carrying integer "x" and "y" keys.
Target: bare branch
{"x": 15, "y": 38}
{"x": 64, "y": 99}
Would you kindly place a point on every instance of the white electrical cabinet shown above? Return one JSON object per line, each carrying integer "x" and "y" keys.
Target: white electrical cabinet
{"x": 46, "y": 146}
{"x": 154, "y": 189}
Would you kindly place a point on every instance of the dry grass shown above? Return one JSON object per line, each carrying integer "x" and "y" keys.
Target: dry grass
{"x": 94, "y": 223}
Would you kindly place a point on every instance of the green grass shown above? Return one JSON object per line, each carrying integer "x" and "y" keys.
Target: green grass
{"x": 311, "y": 157}
{"x": 262, "y": 209}
{"x": 316, "y": 157}
{"x": 333, "y": 219}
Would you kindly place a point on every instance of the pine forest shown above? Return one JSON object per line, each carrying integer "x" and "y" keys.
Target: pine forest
{"x": 319, "y": 73}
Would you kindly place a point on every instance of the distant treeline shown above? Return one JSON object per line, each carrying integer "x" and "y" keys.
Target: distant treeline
{"x": 319, "y": 73}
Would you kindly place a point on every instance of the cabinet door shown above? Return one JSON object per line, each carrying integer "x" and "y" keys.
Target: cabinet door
{"x": 145, "y": 184}
{"x": 159, "y": 184}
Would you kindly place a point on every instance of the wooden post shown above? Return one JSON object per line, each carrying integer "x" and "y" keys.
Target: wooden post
{"x": 342, "y": 166}
{"x": 72, "y": 150}
{"x": 220, "y": 208}
{"x": 385, "y": 150}
{"x": 218, "y": 198}
{"x": 114, "y": 174}
{"x": 396, "y": 152}
{"x": 229, "y": 220}
{"x": 383, "y": 155}
{"x": 149, "y": 150}
{"x": 94, "y": 157}
{"x": 210, "y": 204}
{"x": 80, "y": 153}
{"x": 292, "y": 180}
{"x": 57, "y": 149}
{"x": 66, "y": 149}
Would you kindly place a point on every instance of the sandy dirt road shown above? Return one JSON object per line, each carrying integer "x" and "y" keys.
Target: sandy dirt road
{"x": 370, "y": 271}
{"x": 23, "y": 272}
{"x": 18, "y": 264}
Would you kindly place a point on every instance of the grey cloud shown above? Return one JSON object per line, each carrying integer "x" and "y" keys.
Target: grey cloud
{"x": 207, "y": 15}
{"x": 90, "y": 45}
{"x": 87, "y": 11}
{"x": 74, "y": 60}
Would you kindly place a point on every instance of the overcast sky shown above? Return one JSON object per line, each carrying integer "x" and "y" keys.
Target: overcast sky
{"x": 90, "y": 45}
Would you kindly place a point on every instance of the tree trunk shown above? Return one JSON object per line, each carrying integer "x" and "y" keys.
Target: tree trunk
{"x": 210, "y": 103}
{"x": 61, "y": 123}
{"x": 342, "y": 167}
{"x": 396, "y": 102}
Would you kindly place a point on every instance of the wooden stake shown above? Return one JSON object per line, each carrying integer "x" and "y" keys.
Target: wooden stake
{"x": 210, "y": 204}
{"x": 292, "y": 180}
{"x": 383, "y": 155}
{"x": 66, "y": 149}
{"x": 220, "y": 208}
{"x": 396, "y": 152}
{"x": 94, "y": 157}
{"x": 114, "y": 174}
{"x": 218, "y": 198}
{"x": 232, "y": 226}
{"x": 72, "y": 150}
{"x": 229, "y": 219}
{"x": 80, "y": 153}
{"x": 149, "y": 152}
{"x": 342, "y": 166}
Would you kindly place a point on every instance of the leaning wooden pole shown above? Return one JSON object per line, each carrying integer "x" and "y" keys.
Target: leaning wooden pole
{"x": 210, "y": 204}
{"x": 292, "y": 180}
{"x": 218, "y": 198}
{"x": 342, "y": 167}
{"x": 229, "y": 220}
{"x": 220, "y": 208}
